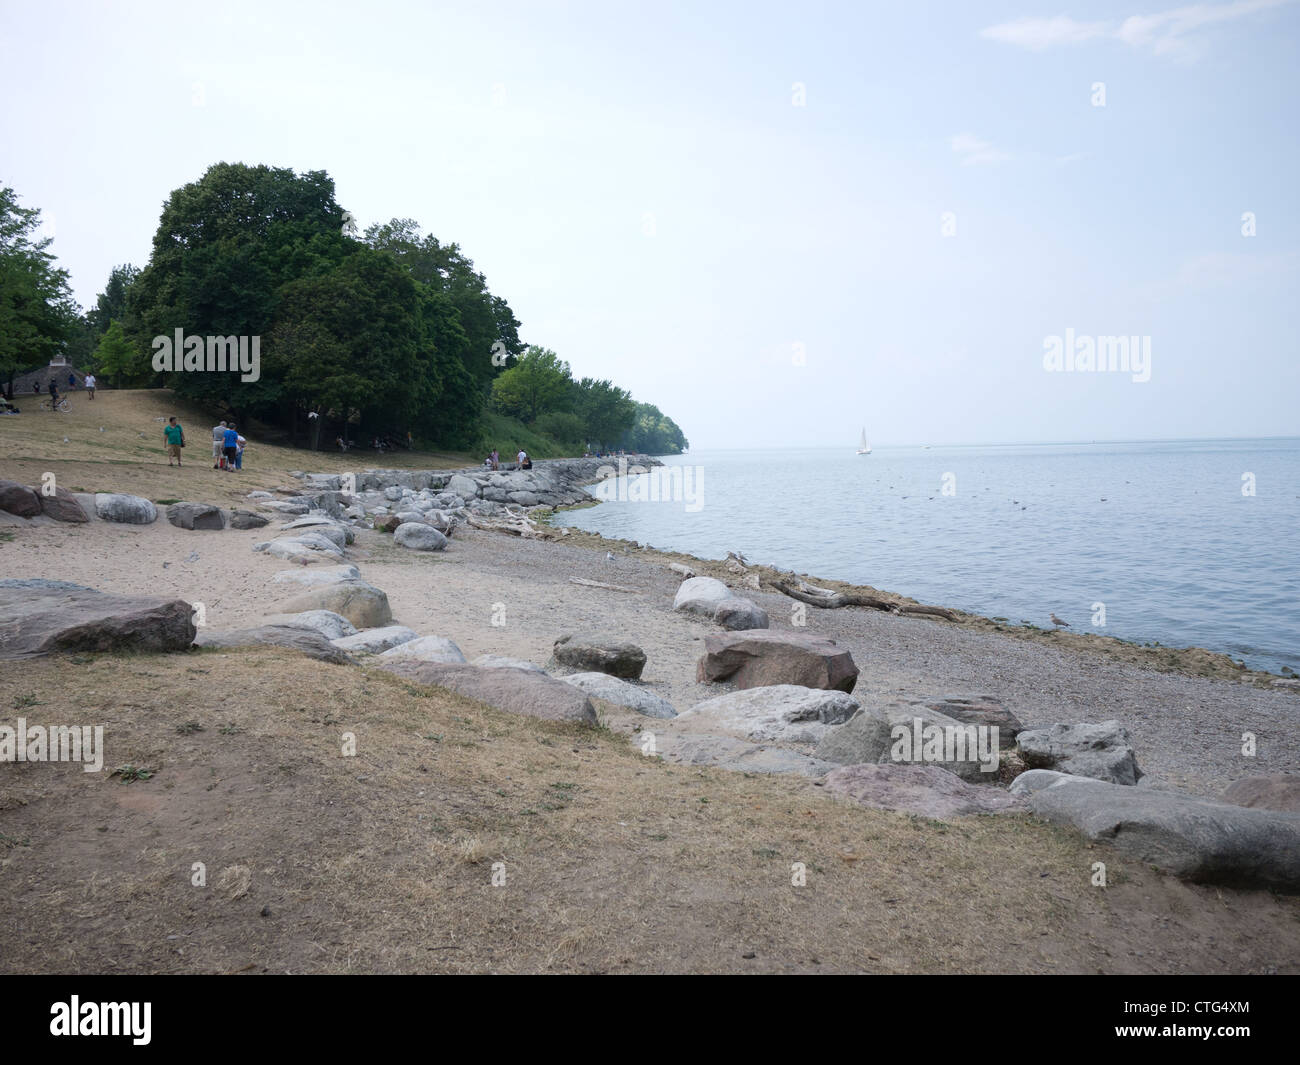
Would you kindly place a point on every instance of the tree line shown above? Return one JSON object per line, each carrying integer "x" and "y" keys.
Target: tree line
{"x": 387, "y": 333}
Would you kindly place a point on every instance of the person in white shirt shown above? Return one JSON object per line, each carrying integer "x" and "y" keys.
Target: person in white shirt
{"x": 90, "y": 384}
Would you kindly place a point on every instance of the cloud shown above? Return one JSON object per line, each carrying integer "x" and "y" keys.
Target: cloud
{"x": 976, "y": 152}
{"x": 1167, "y": 33}
{"x": 1038, "y": 34}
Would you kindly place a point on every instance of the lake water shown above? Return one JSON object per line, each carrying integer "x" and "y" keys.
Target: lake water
{"x": 1164, "y": 534}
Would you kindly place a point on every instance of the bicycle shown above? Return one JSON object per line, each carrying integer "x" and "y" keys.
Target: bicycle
{"x": 63, "y": 404}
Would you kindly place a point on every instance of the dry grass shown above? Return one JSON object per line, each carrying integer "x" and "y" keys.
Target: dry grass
{"x": 384, "y": 862}
{"x": 128, "y": 455}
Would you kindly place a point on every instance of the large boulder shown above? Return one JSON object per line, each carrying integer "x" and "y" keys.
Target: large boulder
{"x": 40, "y": 617}
{"x": 362, "y": 604}
{"x": 196, "y": 516}
{"x": 299, "y": 638}
{"x": 335, "y": 531}
{"x": 464, "y": 487}
{"x": 490, "y": 661}
{"x": 62, "y": 505}
{"x": 246, "y": 519}
{"x": 312, "y": 577}
{"x": 760, "y": 659}
{"x": 19, "y": 500}
{"x": 701, "y": 595}
{"x": 908, "y": 731}
{"x": 981, "y": 710}
{"x": 1268, "y": 791}
{"x": 1196, "y": 839}
{"x": 783, "y": 713}
{"x": 517, "y": 691}
{"x": 734, "y": 754}
{"x": 924, "y": 790}
{"x": 427, "y": 649}
{"x": 329, "y": 624}
{"x": 739, "y": 614}
{"x": 130, "y": 510}
{"x": 417, "y": 536}
{"x": 375, "y": 641}
{"x": 621, "y": 693}
{"x": 587, "y": 653}
{"x": 1103, "y": 751}
{"x": 307, "y": 549}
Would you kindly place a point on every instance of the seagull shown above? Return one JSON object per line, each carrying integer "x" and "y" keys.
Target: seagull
{"x": 1058, "y": 622}
{"x": 609, "y": 556}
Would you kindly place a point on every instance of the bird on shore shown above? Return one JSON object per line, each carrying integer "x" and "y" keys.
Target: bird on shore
{"x": 609, "y": 556}
{"x": 1059, "y": 623}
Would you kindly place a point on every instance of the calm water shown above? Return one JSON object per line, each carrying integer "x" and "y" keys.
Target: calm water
{"x": 1159, "y": 532}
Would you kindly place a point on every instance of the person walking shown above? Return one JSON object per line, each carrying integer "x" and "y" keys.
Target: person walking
{"x": 174, "y": 434}
{"x": 231, "y": 441}
{"x": 54, "y": 394}
{"x": 72, "y": 382}
{"x": 90, "y": 384}
{"x": 240, "y": 444}
{"x": 218, "y": 444}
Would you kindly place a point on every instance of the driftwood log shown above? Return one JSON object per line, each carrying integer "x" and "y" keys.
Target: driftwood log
{"x": 600, "y": 584}
{"x": 830, "y": 600}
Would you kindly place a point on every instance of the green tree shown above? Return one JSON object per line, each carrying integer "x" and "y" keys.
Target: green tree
{"x": 607, "y": 411}
{"x": 489, "y": 325}
{"x": 538, "y": 383}
{"x": 225, "y": 247}
{"x": 37, "y": 312}
{"x": 654, "y": 433}
{"x": 564, "y": 428}
{"x": 111, "y": 304}
{"x": 116, "y": 355}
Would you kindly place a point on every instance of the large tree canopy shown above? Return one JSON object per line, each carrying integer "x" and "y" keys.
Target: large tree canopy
{"x": 37, "y": 313}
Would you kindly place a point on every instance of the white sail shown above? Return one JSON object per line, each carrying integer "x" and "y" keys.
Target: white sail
{"x": 863, "y": 447}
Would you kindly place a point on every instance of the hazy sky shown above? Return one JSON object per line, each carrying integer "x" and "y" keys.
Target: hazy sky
{"x": 737, "y": 210}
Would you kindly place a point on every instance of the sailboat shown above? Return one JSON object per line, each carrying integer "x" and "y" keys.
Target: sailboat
{"x": 863, "y": 447}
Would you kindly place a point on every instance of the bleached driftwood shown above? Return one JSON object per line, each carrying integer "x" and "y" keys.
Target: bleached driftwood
{"x": 831, "y": 600}
{"x": 685, "y": 572}
{"x": 517, "y": 526}
{"x": 599, "y": 584}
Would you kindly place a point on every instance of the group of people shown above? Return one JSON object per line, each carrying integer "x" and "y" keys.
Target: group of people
{"x": 493, "y": 461}
{"x": 53, "y": 388}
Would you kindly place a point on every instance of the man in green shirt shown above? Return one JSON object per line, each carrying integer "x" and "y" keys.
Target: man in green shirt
{"x": 174, "y": 434}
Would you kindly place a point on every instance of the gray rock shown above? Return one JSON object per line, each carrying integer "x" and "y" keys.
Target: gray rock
{"x": 330, "y": 625}
{"x": 130, "y": 510}
{"x": 311, "y": 548}
{"x": 63, "y": 506}
{"x": 760, "y": 659}
{"x": 1195, "y": 839}
{"x": 621, "y": 693}
{"x": 417, "y": 536}
{"x": 299, "y": 638}
{"x": 739, "y": 614}
{"x": 335, "y": 534}
{"x": 1103, "y": 751}
{"x": 701, "y": 595}
{"x": 524, "y": 499}
{"x": 587, "y": 653}
{"x": 981, "y": 710}
{"x": 783, "y": 713}
{"x": 19, "y": 500}
{"x": 246, "y": 519}
{"x": 338, "y": 533}
{"x": 196, "y": 516}
{"x": 55, "y": 616}
{"x": 427, "y": 649}
{"x": 516, "y": 691}
{"x": 1267, "y": 791}
{"x": 312, "y": 577}
{"x": 505, "y": 662}
{"x": 375, "y": 641}
{"x": 924, "y": 790}
{"x": 737, "y": 755}
{"x": 888, "y": 732}
{"x": 1032, "y": 780}
{"x": 463, "y": 487}
{"x": 362, "y": 604}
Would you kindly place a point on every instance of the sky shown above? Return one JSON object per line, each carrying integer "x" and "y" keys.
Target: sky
{"x": 779, "y": 222}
